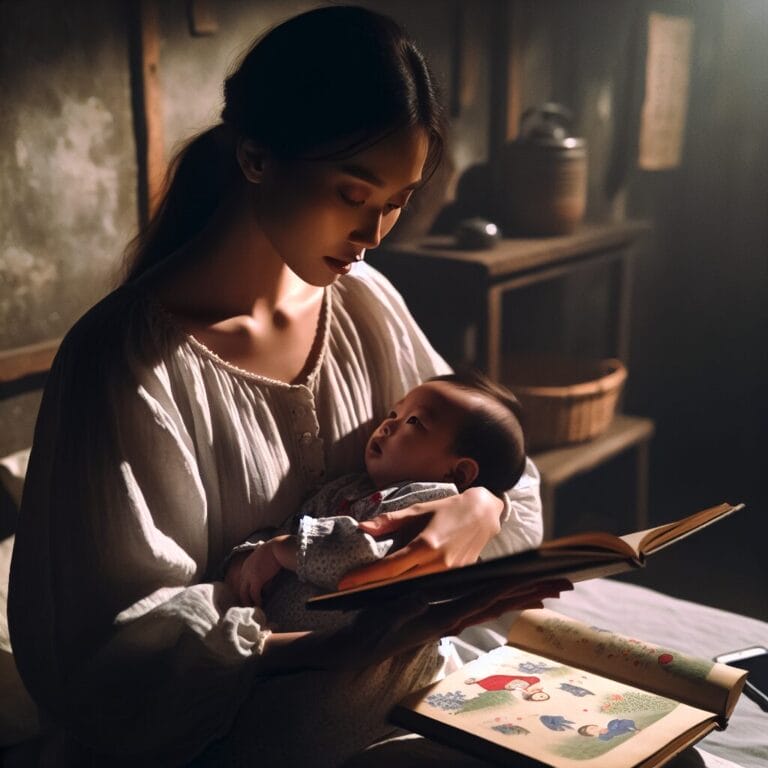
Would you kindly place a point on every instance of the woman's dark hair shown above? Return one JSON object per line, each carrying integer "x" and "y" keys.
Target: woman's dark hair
{"x": 322, "y": 85}
{"x": 493, "y": 435}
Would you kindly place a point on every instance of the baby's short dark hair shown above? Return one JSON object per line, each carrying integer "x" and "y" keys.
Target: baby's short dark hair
{"x": 493, "y": 437}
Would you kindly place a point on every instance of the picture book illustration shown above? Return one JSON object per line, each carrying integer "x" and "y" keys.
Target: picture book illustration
{"x": 597, "y": 700}
{"x": 591, "y": 714}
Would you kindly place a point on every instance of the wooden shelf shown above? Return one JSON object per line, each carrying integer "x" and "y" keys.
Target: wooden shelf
{"x": 458, "y": 298}
{"x": 513, "y": 256}
{"x": 561, "y": 464}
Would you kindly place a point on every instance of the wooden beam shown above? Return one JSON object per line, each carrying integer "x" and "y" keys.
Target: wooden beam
{"x": 514, "y": 67}
{"x": 25, "y": 361}
{"x": 506, "y": 72}
{"x": 147, "y": 105}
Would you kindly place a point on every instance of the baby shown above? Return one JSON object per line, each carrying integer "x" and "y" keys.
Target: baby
{"x": 445, "y": 435}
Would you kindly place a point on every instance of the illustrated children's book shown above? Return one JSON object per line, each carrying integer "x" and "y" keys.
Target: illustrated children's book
{"x": 578, "y": 557}
{"x": 568, "y": 695}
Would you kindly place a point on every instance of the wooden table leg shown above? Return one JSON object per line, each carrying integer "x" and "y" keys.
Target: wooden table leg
{"x": 641, "y": 509}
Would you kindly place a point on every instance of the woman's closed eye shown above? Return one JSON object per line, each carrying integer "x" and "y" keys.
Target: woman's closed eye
{"x": 355, "y": 201}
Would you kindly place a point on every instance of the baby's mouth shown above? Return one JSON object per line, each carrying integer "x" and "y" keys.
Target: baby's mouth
{"x": 375, "y": 448}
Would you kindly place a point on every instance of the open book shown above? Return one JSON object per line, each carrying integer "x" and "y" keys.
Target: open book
{"x": 578, "y": 557}
{"x": 564, "y": 694}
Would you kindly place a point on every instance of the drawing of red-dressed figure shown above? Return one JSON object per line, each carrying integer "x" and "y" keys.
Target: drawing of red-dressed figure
{"x": 528, "y": 686}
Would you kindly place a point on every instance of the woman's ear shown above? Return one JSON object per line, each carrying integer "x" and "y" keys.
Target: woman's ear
{"x": 464, "y": 473}
{"x": 251, "y": 158}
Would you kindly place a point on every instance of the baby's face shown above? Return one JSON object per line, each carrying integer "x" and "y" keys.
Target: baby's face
{"x": 416, "y": 441}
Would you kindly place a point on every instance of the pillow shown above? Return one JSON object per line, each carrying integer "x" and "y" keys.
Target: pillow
{"x": 18, "y": 713}
{"x": 13, "y": 468}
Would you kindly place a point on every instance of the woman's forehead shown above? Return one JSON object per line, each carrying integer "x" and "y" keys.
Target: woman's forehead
{"x": 396, "y": 161}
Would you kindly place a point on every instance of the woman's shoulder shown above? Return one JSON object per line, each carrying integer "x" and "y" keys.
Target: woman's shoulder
{"x": 365, "y": 288}
{"x": 122, "y": 326}
{"x": 363, "y": 278}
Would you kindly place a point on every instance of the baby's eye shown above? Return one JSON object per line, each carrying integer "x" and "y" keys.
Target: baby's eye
{"x": 413, "y": 420}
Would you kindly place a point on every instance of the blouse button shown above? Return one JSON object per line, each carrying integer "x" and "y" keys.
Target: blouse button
{"x": 306, "y": 438}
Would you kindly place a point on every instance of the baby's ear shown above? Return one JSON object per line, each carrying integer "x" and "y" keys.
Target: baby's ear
{"x": 464, "y": 473}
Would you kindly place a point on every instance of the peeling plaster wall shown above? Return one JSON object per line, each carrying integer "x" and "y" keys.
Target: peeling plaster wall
{"x": 67, "y": 172}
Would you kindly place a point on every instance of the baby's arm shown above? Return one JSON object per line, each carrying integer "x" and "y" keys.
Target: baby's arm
{"x": 249, "y": 572}
{"x": 329, "y": 547}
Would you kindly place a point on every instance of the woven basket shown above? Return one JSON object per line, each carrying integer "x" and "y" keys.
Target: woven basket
{"x": 565, "y": 401}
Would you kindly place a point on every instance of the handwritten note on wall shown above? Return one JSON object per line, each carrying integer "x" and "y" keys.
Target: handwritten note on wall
{"x": 667, "y": 76}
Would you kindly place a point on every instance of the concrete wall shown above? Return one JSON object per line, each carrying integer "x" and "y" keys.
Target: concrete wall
{"x": 67, "y": 172}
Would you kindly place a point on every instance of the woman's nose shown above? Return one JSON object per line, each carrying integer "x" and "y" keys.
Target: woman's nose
{"x": 369, "y": 234}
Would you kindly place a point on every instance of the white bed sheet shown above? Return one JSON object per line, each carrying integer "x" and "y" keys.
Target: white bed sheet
{"x": 681, "y": 625}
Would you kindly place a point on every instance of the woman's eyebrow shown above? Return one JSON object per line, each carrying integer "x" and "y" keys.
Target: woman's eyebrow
{"x": 365, "y": 174}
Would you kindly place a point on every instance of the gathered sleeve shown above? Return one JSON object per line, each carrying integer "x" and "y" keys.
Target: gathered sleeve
{"x": 118, "y": 635}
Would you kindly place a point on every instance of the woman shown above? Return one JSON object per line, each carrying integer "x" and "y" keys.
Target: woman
{"x": 240, "y": 365}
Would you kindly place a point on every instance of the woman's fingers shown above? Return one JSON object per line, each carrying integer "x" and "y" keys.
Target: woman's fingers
{"x": 388, "y": 522}
{"x": 415, "y": 554}
{"x": 475, "y": 609}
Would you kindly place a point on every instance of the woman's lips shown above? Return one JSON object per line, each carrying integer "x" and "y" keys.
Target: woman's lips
{"x": 337, "y": 265}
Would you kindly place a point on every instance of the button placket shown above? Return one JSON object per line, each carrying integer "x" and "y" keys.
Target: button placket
{"x": 306, "y": 430}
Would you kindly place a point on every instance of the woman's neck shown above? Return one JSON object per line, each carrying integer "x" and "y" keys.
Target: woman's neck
{"x": 231, "y": 269}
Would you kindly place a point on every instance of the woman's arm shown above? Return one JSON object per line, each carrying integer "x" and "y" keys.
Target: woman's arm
{"x": 379, "y": 633}
{"x": 451, "y": 531}
{"x": 446, "y": 533}
{"x": 116, "y": 633}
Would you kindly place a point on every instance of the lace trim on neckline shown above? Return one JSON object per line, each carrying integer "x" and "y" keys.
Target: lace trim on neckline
{"x": 197, "y": 346}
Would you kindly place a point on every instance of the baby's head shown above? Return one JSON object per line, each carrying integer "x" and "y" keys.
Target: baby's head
{"x": 460, "y": 428}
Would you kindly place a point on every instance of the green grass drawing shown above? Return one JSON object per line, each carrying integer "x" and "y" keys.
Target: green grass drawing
{"x": 488, "y": 699}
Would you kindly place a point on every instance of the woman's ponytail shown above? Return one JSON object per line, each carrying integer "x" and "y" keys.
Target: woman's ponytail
{"x": 198, "y": 179}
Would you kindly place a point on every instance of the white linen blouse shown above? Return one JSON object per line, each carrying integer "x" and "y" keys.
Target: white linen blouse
{"x": 152, "y": 458}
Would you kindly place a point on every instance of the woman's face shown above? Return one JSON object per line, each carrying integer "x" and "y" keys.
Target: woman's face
{"x": 320, "y": 216}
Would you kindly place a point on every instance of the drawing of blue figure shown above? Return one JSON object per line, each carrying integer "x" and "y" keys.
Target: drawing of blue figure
{"x": 614, "y": 728}
{"x": 533, "y": 667}
{"x": 556, "y": 722}
{"x": 576, "y": 690}
{"x": 508, "y": 729}
{"x": 449, "y": 702}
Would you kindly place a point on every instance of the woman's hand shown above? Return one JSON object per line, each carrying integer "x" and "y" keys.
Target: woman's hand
{"x": 446, "y": 533}
{"x": 380, "y": 633}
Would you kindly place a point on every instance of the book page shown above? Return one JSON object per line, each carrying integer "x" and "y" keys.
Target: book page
{"x": 654, "y": 539}
{"x": 698, "y": 682}
{"x": 559, "y": 714}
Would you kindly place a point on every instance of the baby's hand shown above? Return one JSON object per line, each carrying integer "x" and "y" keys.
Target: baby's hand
{"x": 247, "y": 576}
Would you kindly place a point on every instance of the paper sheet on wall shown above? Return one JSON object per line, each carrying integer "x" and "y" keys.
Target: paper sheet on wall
{"x": 667, "y": 76}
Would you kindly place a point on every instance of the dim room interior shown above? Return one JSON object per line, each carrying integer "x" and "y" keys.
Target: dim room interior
{"x": 602, "y": 203}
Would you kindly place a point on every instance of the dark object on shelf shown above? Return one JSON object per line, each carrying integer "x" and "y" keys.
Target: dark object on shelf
{"x": 545, "y": 175}
{"x": 565, "y": 400}
{"x": 477, "y": 234}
